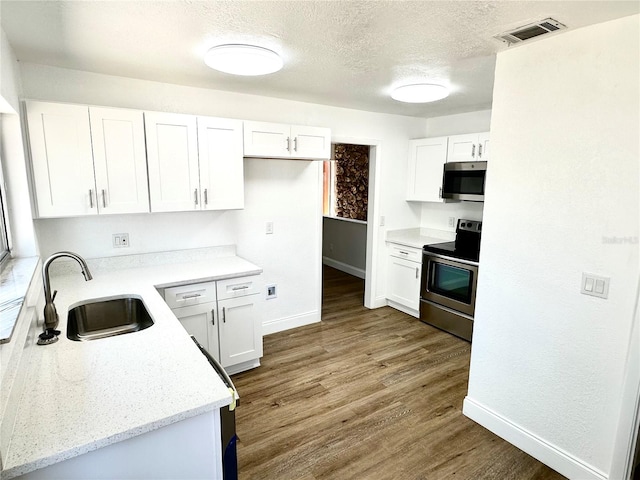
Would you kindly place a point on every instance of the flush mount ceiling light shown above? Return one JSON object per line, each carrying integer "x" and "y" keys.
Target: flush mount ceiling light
{"x": 420, "y": 93}
{"x": 248, "y": 60}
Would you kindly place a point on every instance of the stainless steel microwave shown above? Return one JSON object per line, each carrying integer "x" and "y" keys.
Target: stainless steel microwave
{"x": 464, "y": 181}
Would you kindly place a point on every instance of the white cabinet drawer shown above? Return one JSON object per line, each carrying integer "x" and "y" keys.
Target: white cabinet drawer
{"x": 187, "y": 295}
{"x": 238, "y": 287}
{"x": 408, "y": 253}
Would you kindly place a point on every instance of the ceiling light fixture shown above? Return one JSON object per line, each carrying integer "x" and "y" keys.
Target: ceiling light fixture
{"x": 248, "y": 60}
{"x": 420, "y": 93}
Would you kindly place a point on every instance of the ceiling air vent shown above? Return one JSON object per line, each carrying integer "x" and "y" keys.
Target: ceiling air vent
{"x": 531, "y": 30}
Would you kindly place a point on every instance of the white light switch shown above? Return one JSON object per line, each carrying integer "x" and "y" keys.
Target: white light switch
{"x": 595, "y": 285}
{"x": 588, "y": 284}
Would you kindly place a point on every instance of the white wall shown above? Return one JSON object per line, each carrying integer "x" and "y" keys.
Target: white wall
{"x": 23, "y": 241}
{"x": 436, "y": 215}
{"x": 285, "y": 192}
{"x": 547, "y": 363}
{"x": 9, "y": 77}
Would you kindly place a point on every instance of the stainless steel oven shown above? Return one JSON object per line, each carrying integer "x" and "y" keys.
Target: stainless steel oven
{"x": 450, "y": 279}
{"x": 450, "y": 282}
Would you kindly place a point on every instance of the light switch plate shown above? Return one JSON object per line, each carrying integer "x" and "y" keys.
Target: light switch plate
{"x": 595, "y": 285}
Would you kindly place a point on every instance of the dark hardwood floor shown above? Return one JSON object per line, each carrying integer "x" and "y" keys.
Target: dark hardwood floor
{"x": 366, "y": 394}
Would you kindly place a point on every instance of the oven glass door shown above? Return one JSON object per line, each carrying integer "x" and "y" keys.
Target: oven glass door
{"x": 450, "y": 283}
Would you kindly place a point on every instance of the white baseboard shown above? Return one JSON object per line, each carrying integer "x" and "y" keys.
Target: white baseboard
{"x": 286, "y": 323}
{"x": 402, "y": 308}
{"x": 547, "y": 453}
{"x": 344, "y": 267}
{"x": 378, "y": 302}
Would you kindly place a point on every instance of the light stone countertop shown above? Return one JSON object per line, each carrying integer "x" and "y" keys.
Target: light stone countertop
{"x": 80, "y": 396}
{"x": 419, "y": 237}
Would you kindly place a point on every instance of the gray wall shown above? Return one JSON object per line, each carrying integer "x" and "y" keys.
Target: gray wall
{"x": 344, "y": 245}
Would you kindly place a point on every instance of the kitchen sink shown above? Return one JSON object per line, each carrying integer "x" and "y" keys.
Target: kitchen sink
{"x": 107, "y": 317}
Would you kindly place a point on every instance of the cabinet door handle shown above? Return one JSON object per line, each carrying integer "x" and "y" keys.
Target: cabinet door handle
{"x": 91, "y": 198}
{"x": 213, "y": 316}
{"x": 295, "y": 144}
{"x": 206, "y": 196}
{"x": 104, "y": 199}
{"x": 224, "y": 315}
{"x": 479, "y": 150}
{"x": 288, "y": 144}
{"x": 195, "y": 196}
{"x": 416, "y": 272}
{"x": 473, "y": 151}
{"x": 440, "y": 193}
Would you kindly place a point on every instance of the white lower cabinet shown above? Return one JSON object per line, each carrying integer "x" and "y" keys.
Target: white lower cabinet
{"x": 404, "y": 271}
{"x": 225, "y": 317}
{"x": 160, "y": 453}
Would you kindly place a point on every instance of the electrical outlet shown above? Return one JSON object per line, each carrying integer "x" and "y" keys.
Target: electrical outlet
{"x": 382, "y": 220}
{"x": 452, "y": 222}
{"x": 271, "y": 292}
{"x": 331, "y": 247}
{"x": 120, "y": 240}
{"x": 269, "y": 228}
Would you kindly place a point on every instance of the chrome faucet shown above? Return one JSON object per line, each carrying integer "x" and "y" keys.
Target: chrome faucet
{"x": 51, "y": 320}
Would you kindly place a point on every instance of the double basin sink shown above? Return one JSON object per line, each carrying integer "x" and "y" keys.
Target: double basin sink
{"x": 107, "y": 317}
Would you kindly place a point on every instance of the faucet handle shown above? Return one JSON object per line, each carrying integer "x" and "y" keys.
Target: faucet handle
{"x": 53, "y": 297}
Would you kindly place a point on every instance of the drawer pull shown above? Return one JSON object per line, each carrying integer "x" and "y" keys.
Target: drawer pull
{"x": 195, "y": 295}
{"x": 404, "y": 253}
{"x": 240, "y": 288}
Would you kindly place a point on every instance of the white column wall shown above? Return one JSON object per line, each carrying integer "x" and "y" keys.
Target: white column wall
{"x": 548, "y": 363}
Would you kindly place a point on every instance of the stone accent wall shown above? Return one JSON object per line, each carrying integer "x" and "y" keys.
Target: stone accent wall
{"x": 352, "y": 181}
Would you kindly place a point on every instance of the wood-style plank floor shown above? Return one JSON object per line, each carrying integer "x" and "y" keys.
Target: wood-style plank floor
{"x": 366, "y": 394}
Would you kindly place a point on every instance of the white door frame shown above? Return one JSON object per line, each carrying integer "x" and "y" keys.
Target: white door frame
{"x": 373, "y": 227}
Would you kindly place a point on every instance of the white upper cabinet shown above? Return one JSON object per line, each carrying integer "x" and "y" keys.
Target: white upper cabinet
{"x": 275, "y": 140}
{"x": 427, "y": 157}
{"x": 471, "y": 147}
{"x": 62, "y": 159}
{"x": 195, "y": 163}
{"x": 119, "y": 159}
{"x": 266, "y": 139}
{"x": 172, "y": 154}
{"x": 310, "y": 142}
{"x": 221, "y": 163}
{"x": 87, "y": 160}
{"x": 483, "y": 141}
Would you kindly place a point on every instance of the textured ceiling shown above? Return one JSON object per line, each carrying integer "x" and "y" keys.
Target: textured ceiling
{"x": 344, "y": 53}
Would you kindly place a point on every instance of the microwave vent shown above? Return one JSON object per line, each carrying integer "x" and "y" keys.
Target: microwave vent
{"x": 531, "y": 30}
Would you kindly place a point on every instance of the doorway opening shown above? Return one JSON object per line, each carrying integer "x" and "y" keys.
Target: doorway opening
{"x": 346, "y": 212}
